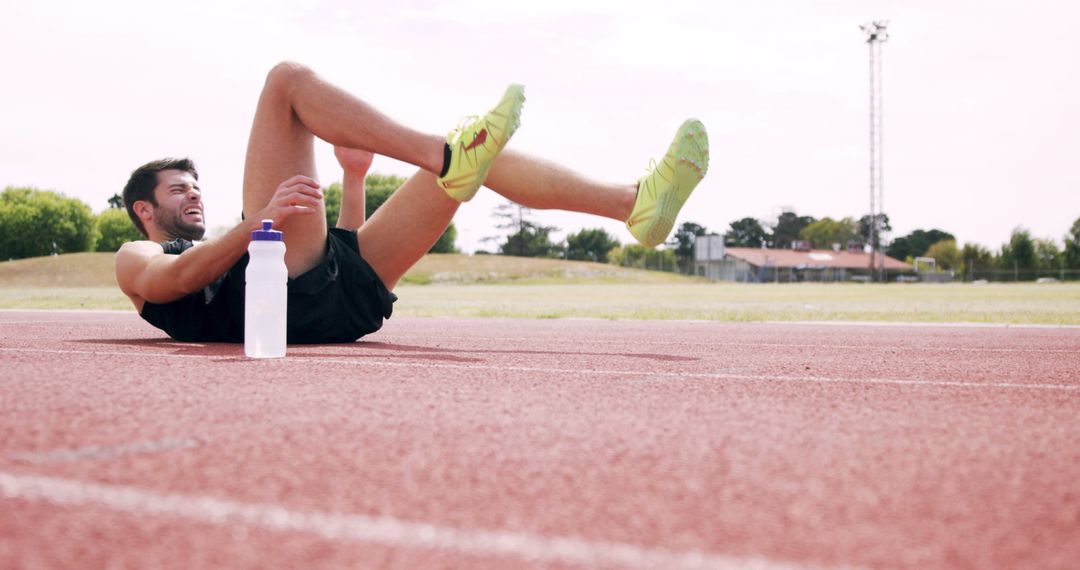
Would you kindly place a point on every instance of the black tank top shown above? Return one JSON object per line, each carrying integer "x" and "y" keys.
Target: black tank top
{"x": 215, "y": 314}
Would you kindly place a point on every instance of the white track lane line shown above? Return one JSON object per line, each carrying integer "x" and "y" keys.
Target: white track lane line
{"x": 98, "y": 452}
{"x": 387, "y": 531}
{"x": 577, "y": 371}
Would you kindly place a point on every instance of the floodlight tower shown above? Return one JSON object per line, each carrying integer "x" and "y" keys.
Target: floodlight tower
{"x": 876, "y": 34}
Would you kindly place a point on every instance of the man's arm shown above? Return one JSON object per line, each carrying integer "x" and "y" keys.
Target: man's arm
{"x": 355, "y": 163}
{"x": 145, "y": 273}
{"x": 143, "y": 270}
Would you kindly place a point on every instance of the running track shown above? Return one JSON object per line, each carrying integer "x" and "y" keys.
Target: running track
{"x": 490, "y": 443}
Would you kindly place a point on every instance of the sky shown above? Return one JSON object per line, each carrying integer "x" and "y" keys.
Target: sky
{"x": 981, "y": 120}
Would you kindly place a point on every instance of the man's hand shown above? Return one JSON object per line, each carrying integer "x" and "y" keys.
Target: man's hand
{"x": 353, "y": 160}
{"x": 297, "y": 195}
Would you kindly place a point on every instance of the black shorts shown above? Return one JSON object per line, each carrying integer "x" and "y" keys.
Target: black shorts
{"x": 339, "y": 300}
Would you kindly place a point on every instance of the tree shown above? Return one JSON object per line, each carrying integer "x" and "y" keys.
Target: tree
{"x": 747, "y": 232}
{"x": 377, "y": 190}
{"x": 332, "y": 202}
{"x": 827, "y": 231}
{"x": 445, "y": 243}
{"x": 590, "y": 245}
{"x": 916, "y": 243}
{"x": 883, "y": 227}
{"x": 977, "y": 259}
{"x": 1072, "y": 246}
{"x": 683, "y": 240}
{"x": 787, "y": 228}
{"x": 114, "y": 229}
{"x": 117, "y": 202}
{"x": 527, "y": 238}
{"x": 947, "y": 255}
{"x": 1047, "y": 255}
{"x": 39, "y": 222}
{"x": 1019, "y": 255}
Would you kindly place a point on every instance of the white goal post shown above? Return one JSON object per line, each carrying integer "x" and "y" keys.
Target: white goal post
{"x": 926, "y": 261}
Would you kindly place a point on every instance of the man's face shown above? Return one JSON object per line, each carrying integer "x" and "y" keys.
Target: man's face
{"x": 179, "y": 213}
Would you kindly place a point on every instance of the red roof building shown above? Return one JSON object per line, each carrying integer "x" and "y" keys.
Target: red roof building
{"x": 760, "y": 265}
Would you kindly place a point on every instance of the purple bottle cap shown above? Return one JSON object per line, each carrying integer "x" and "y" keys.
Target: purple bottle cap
{"x": 267, "y": 233}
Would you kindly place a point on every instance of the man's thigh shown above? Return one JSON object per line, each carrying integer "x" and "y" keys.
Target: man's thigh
{"x": 280, "y": 147}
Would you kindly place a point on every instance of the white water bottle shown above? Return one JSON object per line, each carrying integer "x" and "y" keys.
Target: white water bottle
{"x": 265, "y": 294}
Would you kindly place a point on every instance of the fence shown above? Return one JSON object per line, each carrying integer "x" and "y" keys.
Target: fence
{"x": 1020, "y": 275}
{"x": 741, "y": 272}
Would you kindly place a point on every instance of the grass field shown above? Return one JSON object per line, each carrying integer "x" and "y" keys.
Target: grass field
{"x": 490, "y": 286}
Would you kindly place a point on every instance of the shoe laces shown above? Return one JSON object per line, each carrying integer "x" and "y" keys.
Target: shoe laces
{"x": 654, "y": 168}
{"x": 464, "y": 125}
{"x": 466, "y": 121}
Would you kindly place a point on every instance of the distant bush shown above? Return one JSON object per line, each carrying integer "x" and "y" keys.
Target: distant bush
{"x": 36, "y": 222}
{"x": 114, "y": 229}
{"x": 446, "y": 241}
{"x": 641, "y": 257}
{"x": 823, "y": 233}
{"x": 590, "y": 245}
{"x": 947, "y": 255}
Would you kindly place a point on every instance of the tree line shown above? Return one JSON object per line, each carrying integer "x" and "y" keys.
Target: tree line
{"x": 37, "y": 222}
{"x": 1023, "y": 255}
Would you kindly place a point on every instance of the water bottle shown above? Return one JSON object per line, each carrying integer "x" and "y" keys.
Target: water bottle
{"x": 265, "y": 294}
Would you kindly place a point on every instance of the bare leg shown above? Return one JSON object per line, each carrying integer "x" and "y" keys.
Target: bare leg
{"x": 411, "y": 221}
{"x": 543, "y": 185}
{"x": 296, "y": 106}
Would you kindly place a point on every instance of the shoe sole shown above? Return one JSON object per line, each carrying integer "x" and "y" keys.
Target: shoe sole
{"x": 691, "y": 164}
{"x": 518, "y": 93}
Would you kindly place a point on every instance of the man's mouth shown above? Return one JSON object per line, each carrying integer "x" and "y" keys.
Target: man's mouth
{"x": 195, "y": 212}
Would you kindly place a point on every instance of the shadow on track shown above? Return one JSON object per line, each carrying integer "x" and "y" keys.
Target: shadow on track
{"x": 436, "y": 353}
{"x": 361, "y": 349}
{"x": 168, "y": 344}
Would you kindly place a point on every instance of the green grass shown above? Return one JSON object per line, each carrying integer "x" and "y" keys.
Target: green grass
{"x": 96, "y": 298}
{"x": 493, "y": 286}
{"x": 1055, "y": 304}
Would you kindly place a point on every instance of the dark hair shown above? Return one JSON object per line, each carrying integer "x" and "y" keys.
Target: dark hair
{"x": 143, "y": 181}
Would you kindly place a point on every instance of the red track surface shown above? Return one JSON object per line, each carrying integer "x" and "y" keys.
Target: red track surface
{"x": 464, "y": 443}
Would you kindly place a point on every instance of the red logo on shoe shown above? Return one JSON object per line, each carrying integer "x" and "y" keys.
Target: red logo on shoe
{"x": 481, "y": 137}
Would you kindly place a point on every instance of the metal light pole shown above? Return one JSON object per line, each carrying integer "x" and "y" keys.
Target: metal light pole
{"x": 876, "y": 34}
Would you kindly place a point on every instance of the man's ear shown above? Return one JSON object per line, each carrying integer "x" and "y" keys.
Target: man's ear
{"x": 144, "y": 210}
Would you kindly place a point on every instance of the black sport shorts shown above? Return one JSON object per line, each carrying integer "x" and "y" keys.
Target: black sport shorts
{"x": 339, "y": 300}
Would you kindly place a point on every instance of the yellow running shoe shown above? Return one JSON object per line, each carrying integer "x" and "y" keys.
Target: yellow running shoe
{"x": 663, "y": 191}
{"x": 477, "y": 141}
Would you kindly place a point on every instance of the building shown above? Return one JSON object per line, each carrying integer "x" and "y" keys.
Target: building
{"x": 760, "y": 265}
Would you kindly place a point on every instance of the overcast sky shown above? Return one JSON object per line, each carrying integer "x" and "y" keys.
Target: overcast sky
{"x": 982, "y": 126}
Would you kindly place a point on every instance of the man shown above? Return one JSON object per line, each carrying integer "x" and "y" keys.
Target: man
{"x": 340, "y": 279}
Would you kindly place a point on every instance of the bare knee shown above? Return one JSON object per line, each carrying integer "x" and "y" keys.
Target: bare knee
{"x": 285, "y": 76}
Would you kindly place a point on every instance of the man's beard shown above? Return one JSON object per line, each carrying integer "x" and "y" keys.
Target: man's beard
{"x": 175, "y": 227}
